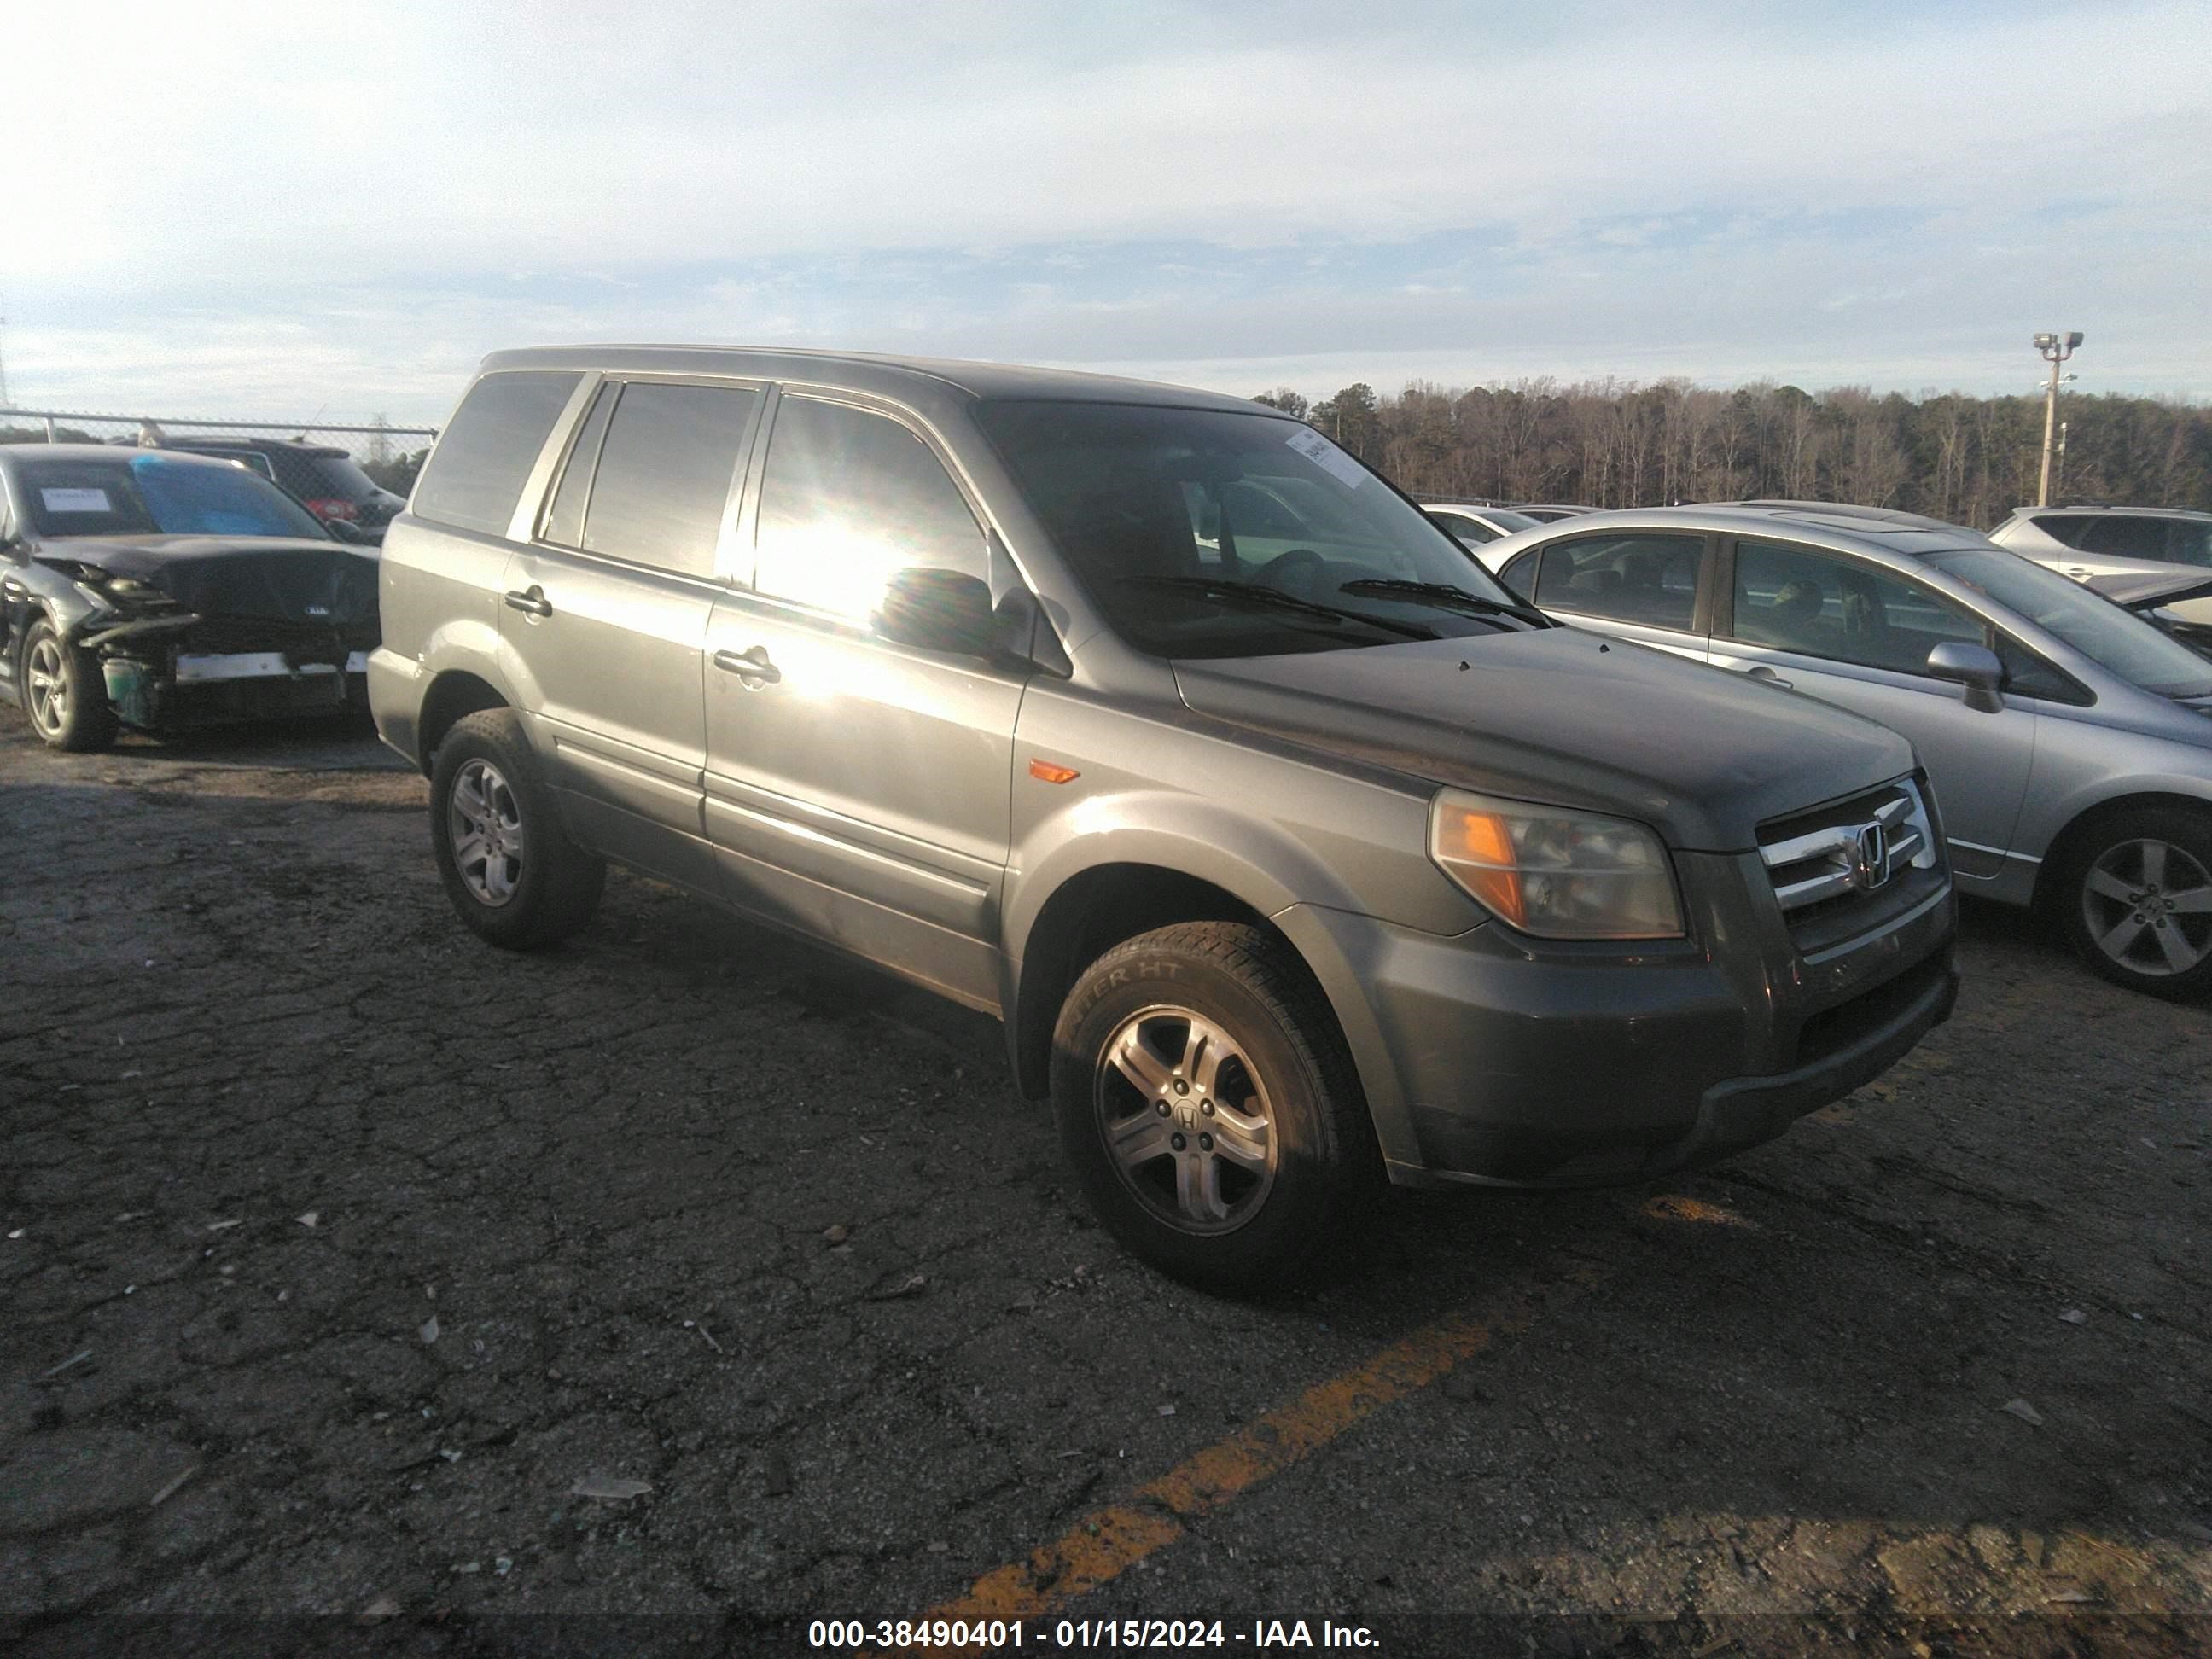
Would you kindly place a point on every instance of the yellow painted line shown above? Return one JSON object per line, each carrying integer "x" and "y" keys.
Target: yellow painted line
{"x": 1108, "y": 1543}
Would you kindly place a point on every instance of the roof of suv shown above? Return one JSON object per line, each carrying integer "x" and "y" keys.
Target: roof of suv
{"x": 882, "y": 371}
{"x": 2106, "y": 507}
{"x": 289, "y": 446}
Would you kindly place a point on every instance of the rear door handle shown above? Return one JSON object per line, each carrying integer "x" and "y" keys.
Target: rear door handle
{"x": 751, "y": 665}
{"x": 532, "y": 603}
{"x": 1761, "y": 671}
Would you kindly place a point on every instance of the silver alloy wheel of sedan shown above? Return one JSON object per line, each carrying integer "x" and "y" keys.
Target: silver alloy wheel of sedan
{"x": 1186, "y": 1120}
{"x": 2148, "y": 904}
{"x": 48, "y": 677}
{"x": 486, "y": 821}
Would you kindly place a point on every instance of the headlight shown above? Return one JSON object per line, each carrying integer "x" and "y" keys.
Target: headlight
{"x": 1556, "y": 873}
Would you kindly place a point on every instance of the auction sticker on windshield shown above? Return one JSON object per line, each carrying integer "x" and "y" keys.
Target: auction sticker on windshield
{"x": 75, "y": 501}
{"x": 1332, "y": 461}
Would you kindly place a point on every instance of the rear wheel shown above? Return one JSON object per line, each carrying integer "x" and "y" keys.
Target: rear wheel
{"x": 1209, "y": 1107}
{"x": 508, "y": 865}
{"x": 2137, "y": 901}
{"x": 65, "y": 693}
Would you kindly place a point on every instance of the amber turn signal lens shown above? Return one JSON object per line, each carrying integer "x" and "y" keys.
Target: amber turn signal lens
{"x": 1053, "y": 773}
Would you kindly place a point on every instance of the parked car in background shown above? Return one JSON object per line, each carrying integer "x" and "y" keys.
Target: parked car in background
{"x": 161, "y": 591}
{"x": 1548, "y": 512}
{"x": 1473, "y": 523}
{"x": 326, "y": 479}
{"x": 2069, "y": 741}
{"x": 1290, "y": 848}
{"x": 2126, "y": 553}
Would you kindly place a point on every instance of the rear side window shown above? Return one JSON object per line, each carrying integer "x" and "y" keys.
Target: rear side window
{"x": 850, "y": 497}
{"x": 1649, "y": 580}
{"x": 483, "y": 458}
{"x": 1468, "y": 533}
{"x": 664, "y": 472}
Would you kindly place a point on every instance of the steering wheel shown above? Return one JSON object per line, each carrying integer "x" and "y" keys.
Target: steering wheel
{"x": 1299, "y": 572}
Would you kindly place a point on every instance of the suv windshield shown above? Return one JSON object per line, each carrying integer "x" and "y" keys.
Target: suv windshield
{"x": 1192, "y": 527}
{"x": 2115, "y": 639}
{"x": 156, "y": 495}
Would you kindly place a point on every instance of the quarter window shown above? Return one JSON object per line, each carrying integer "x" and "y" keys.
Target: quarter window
{"x": 1467, "y": 533}
{"x": 664, "y": 474}
{"x": 2066, "y": 527}
{"x": 1651, "y": 579}
{"x": 849, "y": 498}
{"x": 1816, "y": 604}
{"x": 483, "y": 458}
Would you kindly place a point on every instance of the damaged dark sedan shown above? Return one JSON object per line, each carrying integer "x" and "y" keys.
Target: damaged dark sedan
{"x": 164, "y": 590}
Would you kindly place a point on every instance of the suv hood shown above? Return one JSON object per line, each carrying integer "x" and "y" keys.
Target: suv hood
{"x": 263, "y": 577}
{"x": 1567, "y": 718}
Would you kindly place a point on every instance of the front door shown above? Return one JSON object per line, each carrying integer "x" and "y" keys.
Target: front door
{"x": 605, "y": 616}
{"x": 857, "y": 789}
{"x": 1857, "y": 634}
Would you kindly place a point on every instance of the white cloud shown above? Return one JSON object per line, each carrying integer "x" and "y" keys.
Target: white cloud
{"x": 1661, "y": 183}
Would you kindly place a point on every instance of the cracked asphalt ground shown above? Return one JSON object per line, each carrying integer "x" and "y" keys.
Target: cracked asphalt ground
{"x": 339, "y": 1247}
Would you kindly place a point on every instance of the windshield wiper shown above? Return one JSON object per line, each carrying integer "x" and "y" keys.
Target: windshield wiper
{"x": 1451, "y": 598}
{"x": 1216, "y": 587}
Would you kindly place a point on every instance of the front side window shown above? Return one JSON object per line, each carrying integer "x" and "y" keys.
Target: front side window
{"x": 476, "y": 472}
{"x": 1643, "y": 578}
{"x": 664, "y": 472}
{"x": 2117, "y": 640}
{"x": 2125, "y": 536}
{"x": 1205, "y": 533}
{"x": 157, "y": 495}
{"x": 1823, "y": 604}
{"x": 849, "y": 498}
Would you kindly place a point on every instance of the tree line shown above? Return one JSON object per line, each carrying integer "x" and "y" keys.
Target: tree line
{"x": 1616, "y": 443}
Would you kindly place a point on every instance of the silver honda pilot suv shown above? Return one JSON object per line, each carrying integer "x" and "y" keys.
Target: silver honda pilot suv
{"x": 1293, "y": 850}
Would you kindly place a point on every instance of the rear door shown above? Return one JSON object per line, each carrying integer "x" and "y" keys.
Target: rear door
{"x": 1648, "y": 586}
{"x": 1857, "y": 634}
{"x": 856, "y": 788}
{"x": 605, "y": 614}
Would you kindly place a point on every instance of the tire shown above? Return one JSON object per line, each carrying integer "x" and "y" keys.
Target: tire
{"x": 2136, "y": 902}
{"x": 508, "y": 865}
{"x": 64, "y": 693}
{"x": 1249, "y": 1143}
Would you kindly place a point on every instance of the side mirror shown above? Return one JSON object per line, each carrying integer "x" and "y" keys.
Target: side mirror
{"x": 1974, "y": 666}
{"x": 938, "y": 610}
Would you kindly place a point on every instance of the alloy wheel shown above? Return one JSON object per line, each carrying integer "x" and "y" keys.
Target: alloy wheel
{"x": 48, "y": 677}
{"x": 1186, "y": 1120}
{"x": 484, "y": 822}
{"x": 2148, "y": 904}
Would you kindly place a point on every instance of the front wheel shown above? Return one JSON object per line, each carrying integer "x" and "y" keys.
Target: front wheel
{"x": 65, "y": 693}
{"x": 1209, "y": 1107}
{"x": 2137, "y": 901}
{"x": 508, "y": 865}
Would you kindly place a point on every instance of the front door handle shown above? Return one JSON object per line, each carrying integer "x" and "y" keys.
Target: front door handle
{"x": 2079, "y": 573}
{"x": 1761, "y": 671}
{"x": 751, "y": 665}
{"x": 531, "y": 602}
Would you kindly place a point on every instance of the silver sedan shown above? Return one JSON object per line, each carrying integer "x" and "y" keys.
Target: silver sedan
{"x": 2069, "y": 743}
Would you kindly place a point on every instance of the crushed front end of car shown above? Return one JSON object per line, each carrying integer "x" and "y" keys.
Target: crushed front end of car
{"x": 208, "y": 633}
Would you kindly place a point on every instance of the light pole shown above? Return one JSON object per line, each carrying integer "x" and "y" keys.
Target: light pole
{"x": 2055, "y": 349}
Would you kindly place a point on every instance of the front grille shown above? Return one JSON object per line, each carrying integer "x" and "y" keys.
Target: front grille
{"x": 1834, "y": 862}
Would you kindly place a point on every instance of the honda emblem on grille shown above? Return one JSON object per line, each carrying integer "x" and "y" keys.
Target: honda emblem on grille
{"x": 1870, "y": 858}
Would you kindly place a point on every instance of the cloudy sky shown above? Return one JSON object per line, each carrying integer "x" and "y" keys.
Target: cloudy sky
{"x": 287, "y": 209}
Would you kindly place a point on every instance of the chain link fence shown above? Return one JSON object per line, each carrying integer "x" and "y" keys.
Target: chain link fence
{"x": 390, "y": 455}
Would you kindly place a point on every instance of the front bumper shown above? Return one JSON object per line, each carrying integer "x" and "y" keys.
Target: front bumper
{"x": 1492, "y": 1060}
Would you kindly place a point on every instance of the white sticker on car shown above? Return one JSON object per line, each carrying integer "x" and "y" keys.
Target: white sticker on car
{"x": 75, "y": 501}
{"x": 1325, "y": 455}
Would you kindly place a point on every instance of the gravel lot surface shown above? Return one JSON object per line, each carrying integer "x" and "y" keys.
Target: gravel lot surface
{"x": 341, "y": 1249}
